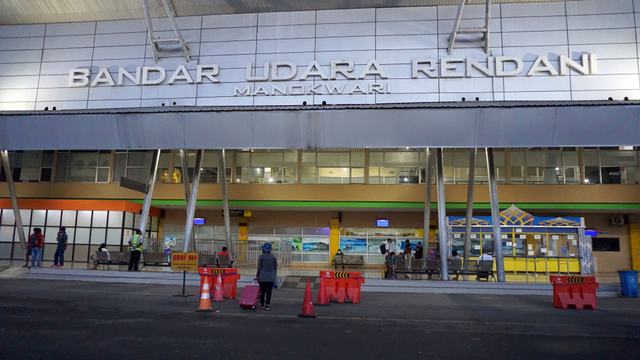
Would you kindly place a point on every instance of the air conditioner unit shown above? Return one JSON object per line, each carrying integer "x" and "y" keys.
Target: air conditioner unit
{"x": 617, "y": 220}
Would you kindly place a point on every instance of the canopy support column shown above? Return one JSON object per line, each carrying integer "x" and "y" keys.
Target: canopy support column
{"x": 14, "y": 201}
{"x": 225, "y": 199}
{"x": 442, "y": 220}
{"x": 428, "y": 174}
{"x": 151, "y": 181}
{"x": 495, "y": 215}
{"x": 191, "y": 209}
{"x": 469, "y": 220}
{"x": 185, "y": 180}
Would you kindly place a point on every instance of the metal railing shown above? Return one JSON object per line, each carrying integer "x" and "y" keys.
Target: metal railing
{"x": 243, "y": 252}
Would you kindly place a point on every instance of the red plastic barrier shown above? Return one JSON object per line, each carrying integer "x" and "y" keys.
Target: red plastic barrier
{"x": 574, "y": 291}
{"x": 230, "y": 278}
{"x": 342, "y": 285}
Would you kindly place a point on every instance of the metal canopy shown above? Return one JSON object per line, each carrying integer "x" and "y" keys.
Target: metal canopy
{"x": 399, "y": 125}
{"x": 56, "y": 11}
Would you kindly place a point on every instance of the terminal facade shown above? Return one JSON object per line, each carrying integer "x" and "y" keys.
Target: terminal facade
{"x": 325, "y": 117}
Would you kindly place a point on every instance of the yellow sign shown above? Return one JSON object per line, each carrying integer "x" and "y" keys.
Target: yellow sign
{"x": 184, "y": 261}
{"x": 575, "y": 280}
{"x": 341, "y": 275}
{"x": 247, "y": 213}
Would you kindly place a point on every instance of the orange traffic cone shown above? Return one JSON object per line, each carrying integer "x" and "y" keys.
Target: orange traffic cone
{"x": 218, "y": 294}
{"x": 323, "y": 299}
{"x": 307, "y": 306}
{"x": 205, "y": 295}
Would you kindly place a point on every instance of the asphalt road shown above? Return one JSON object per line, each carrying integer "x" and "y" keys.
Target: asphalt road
{"x": 80, "y": 320}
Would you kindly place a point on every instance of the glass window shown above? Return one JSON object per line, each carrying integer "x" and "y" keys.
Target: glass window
{"x": 115, "y": 219}
{"x": 333, "y": 159}
{"x": 82, "y": 236}
{"x": 8, "y": 218}
{"x": 68, "y": 218}
{"x": 53, "y": 217}
{"x": 163, "y": 167}
{"x": 84, "y": 218}
{"x": 38, "y": 216}
{"x": 243, "y": 167}
{"x": 99, "y": 219}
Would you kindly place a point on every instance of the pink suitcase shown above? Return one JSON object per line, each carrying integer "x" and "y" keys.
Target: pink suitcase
{"x": 249, "y": 297}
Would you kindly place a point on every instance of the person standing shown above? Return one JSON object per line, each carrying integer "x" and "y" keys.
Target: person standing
{"x": 407, "y": 249}
{"x": 388, "y": 247}
{"x": 135, "y": 245}
{"x": 266, "y": 275}
{"x": 62, "y": 246}
{"x": 36, "y": 241}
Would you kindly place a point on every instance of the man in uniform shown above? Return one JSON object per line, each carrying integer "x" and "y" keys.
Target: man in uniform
{"x": 135, "y": 245}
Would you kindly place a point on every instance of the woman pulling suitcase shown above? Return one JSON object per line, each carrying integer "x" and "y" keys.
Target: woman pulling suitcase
{"x": 266, "y": 275}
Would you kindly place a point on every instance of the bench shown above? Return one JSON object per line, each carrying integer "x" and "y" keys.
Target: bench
{"x": 106, "y": 258}
{"x": 155, "y": 259}
{"x": 347, "y": 260}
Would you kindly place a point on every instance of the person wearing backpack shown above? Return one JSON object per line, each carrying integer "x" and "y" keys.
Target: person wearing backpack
{"x": 36, "y": 240}
{"x": 62, "y": 246}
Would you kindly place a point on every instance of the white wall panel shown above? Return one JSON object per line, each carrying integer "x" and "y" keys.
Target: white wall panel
{"x": 17, "y": 56}
{"x": 128, "y": 64}
{"x": 539, "y": 38}
{"x": 470, "y": 41}
{"x": 228, "y": 48}
{"x": 128, "y": 92}
{"x": 407, "y": 42}
{"x": 11, "y": 31}
{"x": 285, "y": 45}
{"x": 18, "y": 82}
{"x": 68, "y": 54}
{"x": 283, "y": 100}
{"x": 351, "y": 29}
{"x": 406, "y": 28}
{"x": 301, "y": 59}
{"x": 457, "y": 97}
{"x": 614, "y": 21}
{"x": 285, "y": 32}
{"x": 445, "y": 26}
{"x": 617, "y": 66}
{"x": 549, "y": 23}
{"x": 54, "y": 81}
{"x": 68, "y": 94}
{"x": 192, "y": 37}
{"x": 360, "y": 57}
{"x": 470, "y": 11}
{"x": 532, "y": 53}
{"x": 121, "y": 26}
{"x": 287, "y": 18}
{"x": 470, "y": 53}
{"x": 138, "y": 38}
{"x": 605, "y": 51}
{"x": 404, "y": 57}
{"x": 470, "y": 85}
{"x": 345, "y": 16}
{"x": 538, "y": 96}
{"x": 537, "y": 83}
{"x": 400, "y": 71}
{"x": 184, "y": 23}
{"x": 605, "y": 95}
{"x": 168, "y": 102}
{"x": 233, "y": 75}
{"x": 602, "y": 36}
{"x": 229, "y": 34}
{"x": 171, "y": 64}
{"x": 30, "y": 43}
{"x": 17, "y": 106}
{"x": 533, "y": 10}
{"x": 225, "y": 101}
{"x": 229, "y": 21}
{"x": 409, "y": 86}
{"x": 20, "y": 69}
{"x": 68, "y": 42}
{"x": 604, "y": 82}
{"x": 234, "y": 61}
{"x": 346, "y": 43}
{"x": 595, "y": 7}
{"x": 116, "y": 53}
{"x": 342, "y": 100}
{"x": 62, "y": 67}
{"x": 106, "y": 104}
{"x": 396, "y": 98}
{"x": 222, "y": 89}
{"x": 61, "y": 105}
{"x": 81, "y": 28}
{"x": 18, "y": 95}
{"x": 406, "y": 13}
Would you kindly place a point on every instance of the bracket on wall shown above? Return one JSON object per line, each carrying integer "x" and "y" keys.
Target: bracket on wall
{"x": 155, "y": 41}
{"x": 482, "y": 30}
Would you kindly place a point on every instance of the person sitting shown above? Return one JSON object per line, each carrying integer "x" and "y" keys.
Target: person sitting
{"x": 225, "y": 253}
{"x": 455, "y": 256}
{"x": 432, "y": 256}
{"x": 418, "y": 253}
{"x": 391, "y": 266}
{"x": 484, "y": 257}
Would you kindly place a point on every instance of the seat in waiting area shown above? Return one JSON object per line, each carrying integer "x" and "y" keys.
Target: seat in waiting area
{"x": 338, "y": 259}
{"x": 433, "y": 267}
{"x": 485, "y": 270}
{"x": 224, "y": 261}
{"x": 418, "y": 265}
{"x": 403, "y": 265}
{"x": 455, "y": 266}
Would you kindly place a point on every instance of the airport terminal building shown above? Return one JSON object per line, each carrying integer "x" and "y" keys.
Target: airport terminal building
{"x": 329, "y": 126}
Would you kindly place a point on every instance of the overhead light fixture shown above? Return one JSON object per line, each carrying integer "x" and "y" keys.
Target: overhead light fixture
{"x": 557, "y": 169}
{"x": 586, "y": 181}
